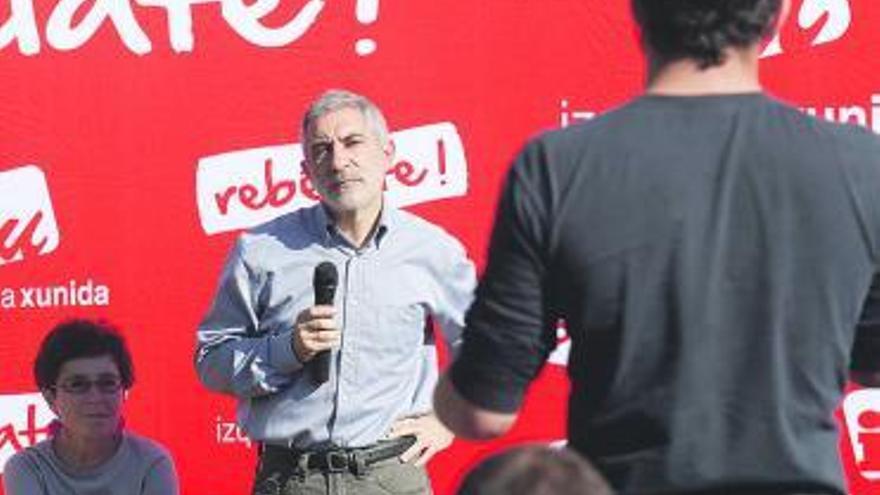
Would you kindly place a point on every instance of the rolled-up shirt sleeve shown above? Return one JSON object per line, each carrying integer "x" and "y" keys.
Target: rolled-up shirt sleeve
{"x": 507, "y": 337}
{"x": 234, "y": 354}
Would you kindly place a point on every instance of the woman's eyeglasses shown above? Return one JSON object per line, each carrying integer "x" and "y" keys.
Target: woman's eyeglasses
{"x": 80, "y": 386}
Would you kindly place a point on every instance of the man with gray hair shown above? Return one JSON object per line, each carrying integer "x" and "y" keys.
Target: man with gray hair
{"x": 367, "y": 426}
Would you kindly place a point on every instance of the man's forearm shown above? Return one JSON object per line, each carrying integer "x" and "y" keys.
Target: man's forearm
{"x": 466, "y": 419}
{"x": 242, "y": 366}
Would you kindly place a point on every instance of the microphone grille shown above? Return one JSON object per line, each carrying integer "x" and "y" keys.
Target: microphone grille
{"x": 325, "y": 275}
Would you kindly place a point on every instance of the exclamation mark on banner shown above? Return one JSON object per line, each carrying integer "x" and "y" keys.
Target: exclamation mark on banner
{"x": 366, "y": 11}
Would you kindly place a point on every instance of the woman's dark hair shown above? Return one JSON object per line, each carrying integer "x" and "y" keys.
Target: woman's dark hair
{"x": 80, "y": 338}
{"x": 702, "y": 30}
{"x": 535, "y": 470}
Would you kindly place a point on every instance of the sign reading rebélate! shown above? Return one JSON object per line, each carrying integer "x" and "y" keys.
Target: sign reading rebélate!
{"x": 242, "y": 189}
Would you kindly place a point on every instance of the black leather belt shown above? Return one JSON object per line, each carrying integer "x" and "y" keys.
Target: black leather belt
{"x": 338, "y": 459}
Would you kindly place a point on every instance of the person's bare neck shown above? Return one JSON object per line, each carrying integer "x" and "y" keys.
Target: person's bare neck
{"x": 737, "y": 74}
{"x": 356, "y": 226}
{"x": 85, "y": 453}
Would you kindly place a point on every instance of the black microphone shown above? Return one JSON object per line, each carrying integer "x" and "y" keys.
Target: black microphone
{"x": 324, "y": 282}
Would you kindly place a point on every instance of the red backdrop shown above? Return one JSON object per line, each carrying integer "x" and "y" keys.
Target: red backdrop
{"x": 136, "y": 140}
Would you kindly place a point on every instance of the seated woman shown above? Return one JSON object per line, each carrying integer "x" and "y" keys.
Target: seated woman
{"x": 84, "y": 371}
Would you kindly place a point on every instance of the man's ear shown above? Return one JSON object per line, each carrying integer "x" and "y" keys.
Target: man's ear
{"x": 304, "y": 165}
{"x": 389, "y": 150}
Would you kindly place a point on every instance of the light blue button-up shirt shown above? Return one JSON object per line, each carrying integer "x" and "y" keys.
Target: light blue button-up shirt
{"x": 386, "y": 365}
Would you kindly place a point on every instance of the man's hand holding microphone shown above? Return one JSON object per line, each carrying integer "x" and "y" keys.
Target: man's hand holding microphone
{"x": 315, "y": 332}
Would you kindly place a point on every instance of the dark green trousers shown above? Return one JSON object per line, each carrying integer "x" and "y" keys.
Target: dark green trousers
{"x": 389, "y": 477}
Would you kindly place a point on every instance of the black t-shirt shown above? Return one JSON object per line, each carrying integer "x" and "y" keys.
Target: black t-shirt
{"x": 711, "y": 256}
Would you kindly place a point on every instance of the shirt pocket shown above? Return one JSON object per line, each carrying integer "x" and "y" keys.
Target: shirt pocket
{"x": 400, "y": 331}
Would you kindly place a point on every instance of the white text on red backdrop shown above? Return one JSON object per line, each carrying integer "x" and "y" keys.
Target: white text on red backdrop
{"x": 245, "y": 188}
{"x": 62, "y": 32}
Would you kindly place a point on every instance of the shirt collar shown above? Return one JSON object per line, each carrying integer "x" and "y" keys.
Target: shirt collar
{"x": 326, "y": 229}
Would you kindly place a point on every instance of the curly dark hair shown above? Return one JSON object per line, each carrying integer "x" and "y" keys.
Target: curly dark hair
{"x": 702, "y": 30}
{"x": 80, "y": 338}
